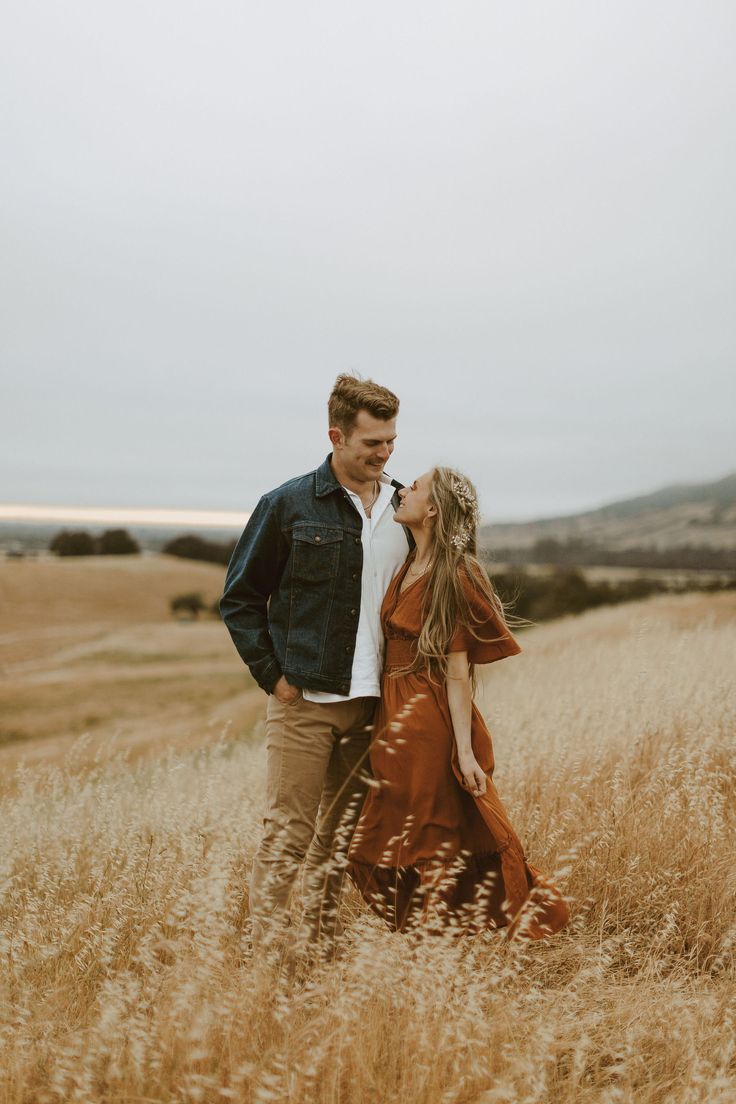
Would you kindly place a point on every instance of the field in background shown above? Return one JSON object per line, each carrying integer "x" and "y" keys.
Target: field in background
{"x": 89, "y": 646}
{"x": 127, "y": 843}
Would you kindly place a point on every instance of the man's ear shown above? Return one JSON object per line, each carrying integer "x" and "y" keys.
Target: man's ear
{"x": 337, "y": 437}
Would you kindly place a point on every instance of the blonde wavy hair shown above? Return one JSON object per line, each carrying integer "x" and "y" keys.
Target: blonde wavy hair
{"x": 454, "y": 555}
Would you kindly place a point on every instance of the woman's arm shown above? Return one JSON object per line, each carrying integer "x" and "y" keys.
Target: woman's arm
{"x": 460, "y": 701}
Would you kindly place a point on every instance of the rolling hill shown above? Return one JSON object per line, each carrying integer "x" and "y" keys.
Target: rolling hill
{"x": 677, "y": 517}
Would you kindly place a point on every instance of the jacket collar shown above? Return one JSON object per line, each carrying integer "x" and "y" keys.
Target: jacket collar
{"x": 326, "y": 483}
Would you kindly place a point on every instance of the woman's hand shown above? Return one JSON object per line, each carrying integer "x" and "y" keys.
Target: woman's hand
{"x": 460, "y": 701}
{"x": 474, "y": 778}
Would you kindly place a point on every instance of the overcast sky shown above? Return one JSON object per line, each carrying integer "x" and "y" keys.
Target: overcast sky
{"x": 518, "y": 216}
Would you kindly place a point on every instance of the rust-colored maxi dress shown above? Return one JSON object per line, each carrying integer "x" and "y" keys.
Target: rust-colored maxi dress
{"x": 424, "y": 849}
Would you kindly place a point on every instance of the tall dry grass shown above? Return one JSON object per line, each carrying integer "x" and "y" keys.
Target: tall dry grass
{"x": 123, "y": 905}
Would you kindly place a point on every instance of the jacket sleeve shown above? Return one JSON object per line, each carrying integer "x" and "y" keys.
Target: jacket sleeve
{"x": 253, "y": 573}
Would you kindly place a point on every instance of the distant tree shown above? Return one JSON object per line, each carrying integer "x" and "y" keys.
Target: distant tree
{"x": 192, "y": 604}
{"x": 73, "y": 542}
{"x": 191, "y": 547}
{"x": 117, "y": 542}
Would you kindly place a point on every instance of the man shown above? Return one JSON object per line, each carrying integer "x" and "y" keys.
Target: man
{"x": 302, "y": 603}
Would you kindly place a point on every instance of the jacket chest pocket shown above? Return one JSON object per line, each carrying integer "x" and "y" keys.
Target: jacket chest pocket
{"x": 315, "y": 553}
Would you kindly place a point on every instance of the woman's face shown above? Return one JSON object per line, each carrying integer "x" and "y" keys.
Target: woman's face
{"x": 415, "y": 507}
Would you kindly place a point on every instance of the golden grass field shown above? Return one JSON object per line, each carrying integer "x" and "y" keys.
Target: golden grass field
{"x": 132, "y": 768}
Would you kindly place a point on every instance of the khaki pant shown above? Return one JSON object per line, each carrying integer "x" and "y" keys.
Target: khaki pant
{"x": 317, "y": 779}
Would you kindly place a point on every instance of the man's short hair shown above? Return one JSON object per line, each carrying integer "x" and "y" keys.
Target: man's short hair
{"x": 351, "y": 394}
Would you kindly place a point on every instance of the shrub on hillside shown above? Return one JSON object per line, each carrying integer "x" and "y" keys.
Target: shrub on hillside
{"x": 191, "y": 604}
{"x": 73, "y": 542}
{"x": 566, "y": 590}
{"x": 78, "y": 542}
{"x": 117, "y": 542}
{"x": 191, "y": 547}
{"x": 581, "y": 552}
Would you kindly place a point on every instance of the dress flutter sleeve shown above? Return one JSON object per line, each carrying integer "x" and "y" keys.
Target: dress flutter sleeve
{"x": 493, "y": 638}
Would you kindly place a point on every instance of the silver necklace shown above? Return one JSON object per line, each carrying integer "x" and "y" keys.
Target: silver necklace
{"x": 374, "y": 499}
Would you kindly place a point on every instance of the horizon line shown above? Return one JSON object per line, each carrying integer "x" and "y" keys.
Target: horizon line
{"x": 125, "y": 515}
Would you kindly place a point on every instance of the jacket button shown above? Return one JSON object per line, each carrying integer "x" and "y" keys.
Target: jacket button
{"x": 353, "y": 613}
{"x": 356, "y": 576}
{"x": 317, "y": 540}
{"x": 357, "y": 540}
{"x": 348, "y": 648}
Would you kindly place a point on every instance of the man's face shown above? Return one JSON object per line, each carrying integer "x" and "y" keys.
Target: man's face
{"x": 365, "y": 453}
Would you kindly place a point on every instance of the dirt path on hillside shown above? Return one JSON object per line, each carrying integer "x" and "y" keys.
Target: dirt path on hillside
{"x": 92, "y": 664}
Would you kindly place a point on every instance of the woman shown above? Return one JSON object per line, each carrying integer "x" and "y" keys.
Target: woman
{"x": 433, "y": 845}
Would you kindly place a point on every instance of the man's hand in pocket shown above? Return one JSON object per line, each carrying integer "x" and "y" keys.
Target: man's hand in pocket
{"x": 284, "y": 692}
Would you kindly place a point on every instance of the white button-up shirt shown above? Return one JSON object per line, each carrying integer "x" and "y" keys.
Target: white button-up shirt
{"x": 385, "y": 548}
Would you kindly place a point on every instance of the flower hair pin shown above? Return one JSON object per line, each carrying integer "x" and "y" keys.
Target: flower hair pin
{"x": 466, "y": 498}
{"x": 461, "y": 538}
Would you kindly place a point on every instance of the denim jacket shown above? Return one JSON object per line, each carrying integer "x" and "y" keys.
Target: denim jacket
{"x": 293, "y": 587}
